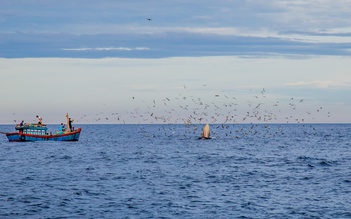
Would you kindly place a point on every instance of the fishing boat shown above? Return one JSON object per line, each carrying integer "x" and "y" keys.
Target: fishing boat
{"x": 39, "y": 132}
{"x": 35, "y": 132}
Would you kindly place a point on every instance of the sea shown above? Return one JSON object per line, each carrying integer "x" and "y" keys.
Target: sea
{"x": 165, "y": 171}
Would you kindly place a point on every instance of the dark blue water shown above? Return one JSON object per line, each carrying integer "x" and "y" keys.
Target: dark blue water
{"x": 163, "y": 171}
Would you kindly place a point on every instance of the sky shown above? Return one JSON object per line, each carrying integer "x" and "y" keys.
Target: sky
{"x": 224, "y": 61}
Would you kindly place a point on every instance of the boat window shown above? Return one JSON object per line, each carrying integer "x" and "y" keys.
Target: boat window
{"x": 34, "y": 131}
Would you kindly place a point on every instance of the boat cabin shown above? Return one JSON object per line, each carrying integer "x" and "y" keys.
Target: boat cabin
{"x": 32, "y": 129}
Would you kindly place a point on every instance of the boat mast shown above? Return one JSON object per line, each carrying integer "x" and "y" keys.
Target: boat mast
{"x": 68, "y": 128}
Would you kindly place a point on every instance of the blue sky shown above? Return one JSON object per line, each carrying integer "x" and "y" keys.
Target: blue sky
{"x": 97, "y": 59}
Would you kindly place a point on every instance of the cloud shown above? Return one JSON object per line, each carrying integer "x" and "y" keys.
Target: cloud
{"x": 79, "y": 17}
{"x": 322, "y": 84}
{"x": 317, "y": 36}
{"x": 106, "y": 49}
{"x": 178, "y": 28}
{"x": 299, "y": 83}
{"x": 189, "y": 43}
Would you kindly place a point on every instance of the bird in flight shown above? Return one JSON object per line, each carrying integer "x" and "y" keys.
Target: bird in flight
{"x": 149, "y": 19}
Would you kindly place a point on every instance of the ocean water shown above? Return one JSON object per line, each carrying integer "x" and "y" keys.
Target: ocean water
{"x": 164, "y": 171}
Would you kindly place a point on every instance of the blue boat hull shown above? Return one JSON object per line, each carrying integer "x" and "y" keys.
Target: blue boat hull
{"x": 71, "y": 136}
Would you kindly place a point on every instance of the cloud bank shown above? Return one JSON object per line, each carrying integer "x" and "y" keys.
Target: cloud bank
{"x": 170, "y": 44}
{"x": 154, "y": 29}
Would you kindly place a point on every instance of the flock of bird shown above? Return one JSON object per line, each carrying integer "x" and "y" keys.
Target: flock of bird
{"x": 220, "y": 110}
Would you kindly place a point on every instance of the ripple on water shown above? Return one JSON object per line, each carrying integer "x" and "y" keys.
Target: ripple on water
{"x": 150, "y": 174}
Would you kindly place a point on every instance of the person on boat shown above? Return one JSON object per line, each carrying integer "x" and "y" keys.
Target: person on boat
{"x": 70, "y": 124}
{"x": 22, "y": 123}
{"x": 40, "y": 120}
